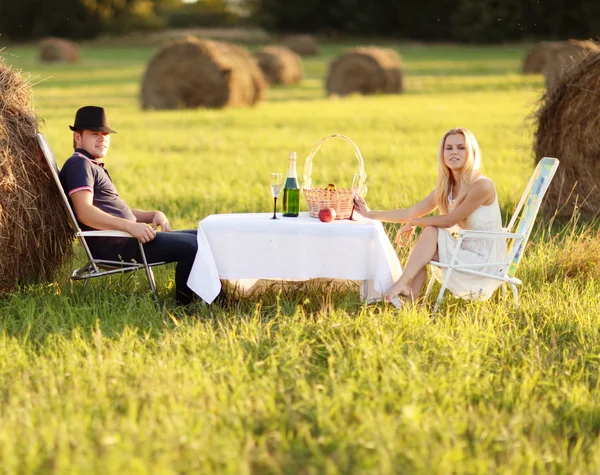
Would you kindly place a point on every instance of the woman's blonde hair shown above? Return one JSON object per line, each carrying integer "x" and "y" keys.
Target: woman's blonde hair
{"x": 470, "y": 172}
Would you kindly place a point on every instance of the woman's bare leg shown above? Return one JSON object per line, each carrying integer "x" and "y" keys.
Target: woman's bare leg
{"x": 413, "y": 277}
{"x": 417, "y": 284}
{"x": 419, "y": 280}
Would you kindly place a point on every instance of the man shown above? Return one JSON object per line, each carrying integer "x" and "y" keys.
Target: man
{"x": 97, "y": 205}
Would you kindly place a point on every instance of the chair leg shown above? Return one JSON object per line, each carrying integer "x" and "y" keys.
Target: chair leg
{"x": 151, "y": 280}
{"x": 149, "y": 273}
{"x": 438, "y": 301}
{"x": 442, "y": 290}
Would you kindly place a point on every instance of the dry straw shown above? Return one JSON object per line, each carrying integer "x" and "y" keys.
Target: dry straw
{"x": 57, "y": 50}
{"x": 367, "y": 70}
{"x": 576, "y": 256}
{"x": 195, "y": 73}
{"x": 304, "y": 45}
{"x": 35, "y": 234}
{"x": 567, "y": 128}
{"x": 565, "y": 56}
{"x": 535, "y": 59}
{"x": 280, "y": 65}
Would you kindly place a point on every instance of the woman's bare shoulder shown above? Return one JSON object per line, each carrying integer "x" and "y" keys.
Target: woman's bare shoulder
{"x": 485, "y": 186}
{"x": 483, "y": 182}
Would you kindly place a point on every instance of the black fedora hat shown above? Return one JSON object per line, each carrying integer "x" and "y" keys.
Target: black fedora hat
{"x": 92, "y": 118}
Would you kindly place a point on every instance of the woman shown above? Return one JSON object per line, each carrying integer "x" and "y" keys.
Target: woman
{"x": 465, "y": 200}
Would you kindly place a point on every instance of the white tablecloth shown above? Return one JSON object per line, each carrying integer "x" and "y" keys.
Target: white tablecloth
{"x": 246, "y": 247}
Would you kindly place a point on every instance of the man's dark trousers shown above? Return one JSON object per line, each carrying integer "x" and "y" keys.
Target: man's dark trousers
{"x": 174, "y": 246}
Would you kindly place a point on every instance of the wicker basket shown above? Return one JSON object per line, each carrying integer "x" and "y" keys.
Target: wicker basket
{"x": 342, "y": 199}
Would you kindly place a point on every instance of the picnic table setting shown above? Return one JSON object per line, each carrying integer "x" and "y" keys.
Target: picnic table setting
{"x": 327, "y": 241}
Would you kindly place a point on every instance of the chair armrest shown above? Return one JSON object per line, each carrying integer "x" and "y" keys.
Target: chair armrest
{"x": 105, "y": 234}
{"x": 467, "y": 233}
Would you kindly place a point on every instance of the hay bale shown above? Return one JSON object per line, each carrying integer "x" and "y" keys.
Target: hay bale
{"x": 280, "y": 65}
{"x": 564, "y": 57}
{"x": 535, "y": 59}
{"x": 35, "y": 234}
{"x": 247, "y": 62}
{"x": 567, "y": 128}
{"x": 57, "y": 50}
{"x": 392, "y": 65}
{"x": 367, "y": 70}
{"x": 304, "y": 45}
{"x": 195, "y": 73}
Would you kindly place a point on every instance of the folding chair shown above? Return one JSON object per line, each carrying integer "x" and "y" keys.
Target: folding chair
{"x": 525, "y": 213}
{"x": 95, "y": 267}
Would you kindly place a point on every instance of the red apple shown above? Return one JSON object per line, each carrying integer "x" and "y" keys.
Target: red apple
{"x": 327, "y": 214}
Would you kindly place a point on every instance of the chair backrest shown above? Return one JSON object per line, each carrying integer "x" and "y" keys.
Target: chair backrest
{"x": 51, "y": 161}
{"x": 528, "y": 208}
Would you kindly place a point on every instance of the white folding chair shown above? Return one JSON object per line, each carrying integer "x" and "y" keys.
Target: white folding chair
{"x": 525, "y": 213}
{"x": 95, "y": 267}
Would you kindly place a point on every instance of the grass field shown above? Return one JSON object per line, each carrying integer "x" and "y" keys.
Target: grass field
{"x": 97, "y": 380}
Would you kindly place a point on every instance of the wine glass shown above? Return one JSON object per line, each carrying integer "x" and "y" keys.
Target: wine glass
{"x": 276, "y": 183}
{"x": 355, "y": 189}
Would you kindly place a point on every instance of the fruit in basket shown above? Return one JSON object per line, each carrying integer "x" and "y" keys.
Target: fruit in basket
{"x": 327, "y": 215}
{"x": 330, "y": 187}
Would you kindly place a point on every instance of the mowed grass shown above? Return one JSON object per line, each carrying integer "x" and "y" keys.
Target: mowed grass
{"x": 301, "y": 379}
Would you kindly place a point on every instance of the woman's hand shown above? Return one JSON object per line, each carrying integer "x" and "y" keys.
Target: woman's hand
{"x": 361, "y": 206}
{"x": 404, "y": 233}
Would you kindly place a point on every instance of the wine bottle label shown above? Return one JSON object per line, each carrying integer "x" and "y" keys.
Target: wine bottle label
{"x": 291, "y": 202}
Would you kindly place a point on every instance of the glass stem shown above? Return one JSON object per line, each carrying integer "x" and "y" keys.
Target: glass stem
{"x": 274, "y": 208}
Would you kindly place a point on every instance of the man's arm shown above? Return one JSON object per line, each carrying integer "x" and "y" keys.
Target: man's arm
{"x": 95, "y": 218}
{"x": 154, "y": 218}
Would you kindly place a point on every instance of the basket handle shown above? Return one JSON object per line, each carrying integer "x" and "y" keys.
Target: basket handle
{"x": 362, "y": 187}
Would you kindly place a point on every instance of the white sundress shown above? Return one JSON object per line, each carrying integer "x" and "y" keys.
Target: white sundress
{"x": 469, "y": 286}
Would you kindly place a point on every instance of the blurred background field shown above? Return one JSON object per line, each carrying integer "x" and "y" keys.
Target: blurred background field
{"x": 212, "y": 153}
{"x": 306, "y": 379}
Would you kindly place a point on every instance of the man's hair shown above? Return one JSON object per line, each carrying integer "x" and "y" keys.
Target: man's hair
{"x": 80, "y": 132}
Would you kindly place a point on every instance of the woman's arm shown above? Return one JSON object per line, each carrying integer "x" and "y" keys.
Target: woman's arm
{"x": 400, "y": 215}
{"x": 481, "y": 192}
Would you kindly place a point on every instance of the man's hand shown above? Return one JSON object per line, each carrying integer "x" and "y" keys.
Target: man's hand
{"x": 159, "y": 219}
{"x": 141, "y": 231}
{"x": 404, "y": 233}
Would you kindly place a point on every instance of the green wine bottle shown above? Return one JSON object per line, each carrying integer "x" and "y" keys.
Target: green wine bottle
{"x": 291, "y": 190}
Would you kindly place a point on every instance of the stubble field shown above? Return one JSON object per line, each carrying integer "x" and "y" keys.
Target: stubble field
{"x": 307, "y": 380}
